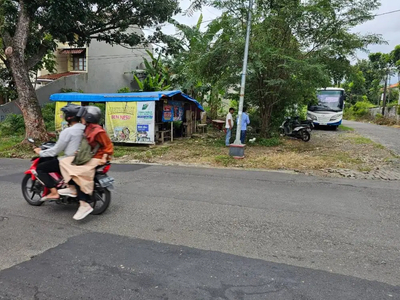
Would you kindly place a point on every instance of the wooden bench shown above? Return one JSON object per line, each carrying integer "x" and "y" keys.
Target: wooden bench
{"x": 163, "y": 135}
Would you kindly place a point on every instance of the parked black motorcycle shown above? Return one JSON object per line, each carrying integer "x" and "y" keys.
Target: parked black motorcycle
{"x": 296, "y": 128}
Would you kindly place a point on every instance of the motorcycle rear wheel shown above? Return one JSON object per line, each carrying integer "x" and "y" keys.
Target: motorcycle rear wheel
{"x": 32, "y": 190}
{"x": 102, "y": 201}
{"x": 305, "y": 135}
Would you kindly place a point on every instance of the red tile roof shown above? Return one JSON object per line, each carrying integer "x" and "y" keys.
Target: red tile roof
{"x": 56, "y": 76}
{"x": 394, "y": 86}
{"x": 72, "y": 51}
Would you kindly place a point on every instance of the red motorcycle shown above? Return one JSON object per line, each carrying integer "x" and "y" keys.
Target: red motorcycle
{"x": 33, "y": 188}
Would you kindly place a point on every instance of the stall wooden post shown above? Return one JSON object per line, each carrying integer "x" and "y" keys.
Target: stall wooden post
{"x": 172, "y": 131}
{"x": 189, "y": 122}
{"x": 195, "y": 120}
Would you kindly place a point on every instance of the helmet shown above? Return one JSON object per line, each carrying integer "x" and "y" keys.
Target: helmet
{"x": 91, "y": 114}
{"x": 70, "y": 112}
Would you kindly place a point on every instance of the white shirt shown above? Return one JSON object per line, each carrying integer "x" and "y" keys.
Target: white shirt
{"x": 68, "y": 141}
{"x": 228, "y": 117}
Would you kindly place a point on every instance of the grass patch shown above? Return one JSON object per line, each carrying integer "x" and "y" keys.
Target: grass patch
{"x": 224, "y": 160}
{"x": 360, "y": 140}
{"x": 347, "y": 158}
{"x": 271, "y": 142}
{"x": 11, "y": 147}
{"x": 345, "y": 128}
{"x": 379, "y": 146}
{"x": 364, "y": 169}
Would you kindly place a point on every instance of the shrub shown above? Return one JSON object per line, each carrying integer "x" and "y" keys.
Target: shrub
{"x": 13, "y": 125}
{"x": 48, "y": 112}
{"x": 381, "y": 120}
{"x": 124, "y": 90}
{"x": 359, "y": 111}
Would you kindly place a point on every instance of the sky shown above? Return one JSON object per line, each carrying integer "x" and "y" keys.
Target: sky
{"x": 388, "y": 25}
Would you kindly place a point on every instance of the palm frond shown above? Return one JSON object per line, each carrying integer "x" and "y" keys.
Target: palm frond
{"x": 195, "y": 5}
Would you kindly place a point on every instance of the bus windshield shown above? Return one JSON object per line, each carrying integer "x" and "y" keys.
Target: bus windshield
{"x": 329, "y": 100}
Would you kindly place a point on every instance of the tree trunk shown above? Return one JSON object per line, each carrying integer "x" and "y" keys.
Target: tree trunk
{"x": 265, "y": 115}
{"x": 27, "y": 99}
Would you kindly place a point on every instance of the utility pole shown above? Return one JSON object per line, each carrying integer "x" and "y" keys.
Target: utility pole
{"x": 244, "y": 72}
{"x": 398, "y": 103}
{"x": 384, "y": 93}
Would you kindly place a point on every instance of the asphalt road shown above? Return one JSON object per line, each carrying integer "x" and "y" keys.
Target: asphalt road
{"x": 384, "y": 135}
{"x": 183, "y": 233}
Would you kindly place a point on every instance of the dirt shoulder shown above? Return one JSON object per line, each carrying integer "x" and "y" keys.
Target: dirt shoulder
{"x": 342, "y": 153}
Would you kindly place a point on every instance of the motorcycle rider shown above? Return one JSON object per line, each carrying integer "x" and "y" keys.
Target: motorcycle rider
{"x": 82, "y": 176}
{"x": 68, "y": 142}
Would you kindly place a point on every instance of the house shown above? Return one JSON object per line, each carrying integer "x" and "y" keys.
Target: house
{"x": 96, "y": 68}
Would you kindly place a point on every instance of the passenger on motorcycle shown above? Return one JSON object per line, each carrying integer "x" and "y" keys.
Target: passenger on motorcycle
{"x": 81, "y": 178}
{"x": 68, "y": 142}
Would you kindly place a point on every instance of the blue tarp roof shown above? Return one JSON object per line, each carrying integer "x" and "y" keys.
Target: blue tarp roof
{"x": 121, "y": 97}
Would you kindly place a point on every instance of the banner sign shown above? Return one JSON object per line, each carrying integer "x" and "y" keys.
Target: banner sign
{"x": 59, "y": 122}
{"x": 173, "y": 111}
{"x": 130, "y": 122}
{"x": 178, "y": 110}
{"x": 145, "y": 122}
{"x": 168, "y": 113}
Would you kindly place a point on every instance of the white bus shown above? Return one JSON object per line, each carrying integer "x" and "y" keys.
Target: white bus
{"x": 329, "y": 110}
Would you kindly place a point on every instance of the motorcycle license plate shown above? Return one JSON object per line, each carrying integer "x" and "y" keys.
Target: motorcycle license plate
{"x": 106, "y": 181}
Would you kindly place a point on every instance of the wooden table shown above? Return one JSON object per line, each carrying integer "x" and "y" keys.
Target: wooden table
{"x": 219, "y": 124}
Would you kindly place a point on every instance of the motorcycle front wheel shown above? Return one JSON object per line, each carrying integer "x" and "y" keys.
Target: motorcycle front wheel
{"x": 102, "y": 200}
{"x": 305, "y": 135}
{"x": 32, "y": 190}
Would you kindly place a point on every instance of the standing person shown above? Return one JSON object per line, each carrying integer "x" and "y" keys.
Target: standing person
{"x": 229, "y": 126}
{"x": 68, "y": 142}
{"x": 245, "y": 122}
{"x": 82, "y": 177}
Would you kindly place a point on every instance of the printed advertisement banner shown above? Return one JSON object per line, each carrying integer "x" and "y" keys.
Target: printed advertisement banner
{"x": 168, "y": 113}
{"x": 173, "y": 111}
{"x": 178, "y": 110}
{"x": 59, "y": 122}
{"x": 145, "y": 122}
{"x": 130, "y": 122}
{"x": 121, "y": 121}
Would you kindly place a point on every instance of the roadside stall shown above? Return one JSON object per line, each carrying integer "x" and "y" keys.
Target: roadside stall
{"x": 139, "y": 118}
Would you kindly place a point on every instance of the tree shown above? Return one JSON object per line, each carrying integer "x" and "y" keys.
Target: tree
{"x": 196, "y": 63}
{"x": 384, "y": 65}
{"x": 157, "y": 77}
{"x": 290, "y": 44}
{"x": 33, "y": 26}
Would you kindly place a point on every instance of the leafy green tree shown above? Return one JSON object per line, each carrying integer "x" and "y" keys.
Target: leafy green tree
{"x": 197, "y": 61}
{"x": 33, "y": 26}
{"x": 296, "y": 47}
